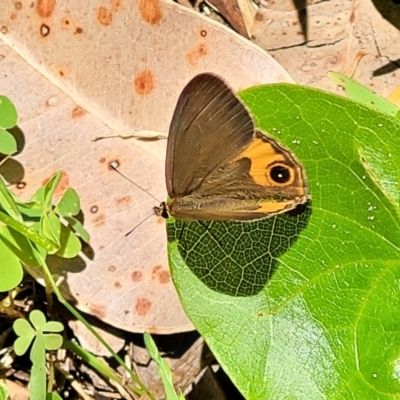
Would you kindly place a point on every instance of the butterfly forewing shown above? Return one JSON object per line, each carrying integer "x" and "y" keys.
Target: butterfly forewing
{"x": 210, "y": 126}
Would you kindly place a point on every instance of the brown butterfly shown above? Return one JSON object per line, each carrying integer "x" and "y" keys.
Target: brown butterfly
{"x": 219, "y": 167}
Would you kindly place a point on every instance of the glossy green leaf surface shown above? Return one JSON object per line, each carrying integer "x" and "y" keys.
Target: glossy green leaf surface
{"x": 306, "y": 306}
{"x": 69, "y": 203}
{"x": 8, "y": 113}
{"x": 8, "y": 144}
{"x": 11, "y": 271}
{"x": 356, "y": 91}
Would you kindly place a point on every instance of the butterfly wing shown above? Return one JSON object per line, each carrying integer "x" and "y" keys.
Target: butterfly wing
{"x": 210, "y": 126}
{"x": 262, "y": 180}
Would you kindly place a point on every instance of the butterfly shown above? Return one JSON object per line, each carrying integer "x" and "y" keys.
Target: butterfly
{"x": 219, "y": 166}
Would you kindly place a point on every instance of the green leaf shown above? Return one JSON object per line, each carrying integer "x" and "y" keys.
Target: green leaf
{"x": 306, "y": 306}
{"x": 8, "y": 113}
{"x": 364, "y": 95}
{"x": 22, "y": 344}
{"x": 53, "y": 341}
{"x": 50, "y": 227}
{"x": 38, "y": 319}
{"x": 4, "y": 392}
{"x": 11, "y": 271}
{"x": 44, "y": 195}
{"x": 20, "y": 246}
{"x": 26, "y": 334}
{"x": 53, "y": 326}
{"x": 8, "y": 144}
{"x": 70, "y": 245}
{"x": 78, "y": 228}
{"x": 27, "y": 231}
{"x": 23, "y": 328}
{"x": 8, "y": 203}
{"x": 69, "y": 204}
{"x": 163, "y": 368}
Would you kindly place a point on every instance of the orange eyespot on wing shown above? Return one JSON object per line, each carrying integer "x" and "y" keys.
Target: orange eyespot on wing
{"x": 272, "y": 166}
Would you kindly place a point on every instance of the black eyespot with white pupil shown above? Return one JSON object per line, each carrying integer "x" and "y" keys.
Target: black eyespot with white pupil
{"x": 280, "y": 174}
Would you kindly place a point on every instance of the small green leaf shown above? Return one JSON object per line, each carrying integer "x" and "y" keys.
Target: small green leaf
{"x": 23, "y": 328}
{"x": 8, "y": 113}
{"x": 69, "y": 203}
{"x": 8, "y": 144}
{"x": 22, "y": 344}
{"x": 53, "y": 341}
{"x": 50, "y": 228}
{"x": 7, "y": 201}
{"x": 20, "y": 246}
{"x": 70, "y": 245}
{"x": 31, "y": 209}
{"x": 11, "y": 271}
{"x": 4, "y": 392}
{"x": 44, "y": 195}
{"x": 27, "y": 231}
{"x": 78, "y": 228}
{"x": 362, "y": 94}
{"x": 163, "y": 368}
{"x": 53, "y": 326}
{"x": 38, "y": 319}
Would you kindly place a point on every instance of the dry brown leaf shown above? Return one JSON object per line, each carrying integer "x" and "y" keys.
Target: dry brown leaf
{"x": 77, "y": 71}
{"x": 239, "y": 13}
{"x": 338, "y": 33}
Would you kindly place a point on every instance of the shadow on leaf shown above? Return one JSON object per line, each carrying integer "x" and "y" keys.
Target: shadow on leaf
{"x": 237, "y": 258}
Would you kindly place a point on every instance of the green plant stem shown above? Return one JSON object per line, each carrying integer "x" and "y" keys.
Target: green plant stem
{"x": 142, "y": 388}
{"x": 92, "y": 360}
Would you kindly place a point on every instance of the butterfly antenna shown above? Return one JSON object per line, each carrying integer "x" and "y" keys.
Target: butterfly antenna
{"x": 137, "y": 226}
{"x": 114, "y": 165}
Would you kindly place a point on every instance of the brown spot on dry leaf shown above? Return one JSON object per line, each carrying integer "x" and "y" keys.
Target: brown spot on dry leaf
{"x": 112, "y": 268}
{"x": 99, "y": 220}
{"x": 65, "y": 22}
{"x": 196, "y": 54}
{"x": 45, "y": 8}
{"x": 136, "y": 276}
{"x": 156, "y": 269}
{"x": 77, "y": 112}
{"x": 116, "y": 4}
{"x": 102, "y": 160}
{"x": 18, "y": 5}
{"x": 124, "y": 200}
{"x": 78, "y": 30}
{"x": 4, "y": 30}
{"x": 160, "y": 275}
{"x": 150, "y": 11}
{"x": 142, "y": 306}
{"x": 104, "y": 16}
{"x": 97, "y": 310}
{"x": 13, "y": 16}
{"x": 144, "y": 82}
{"x": 164, "y": 277}
{"x": 117, "y": 285}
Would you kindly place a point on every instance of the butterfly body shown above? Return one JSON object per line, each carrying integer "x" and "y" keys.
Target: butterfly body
{"x": 219, "y": 167}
